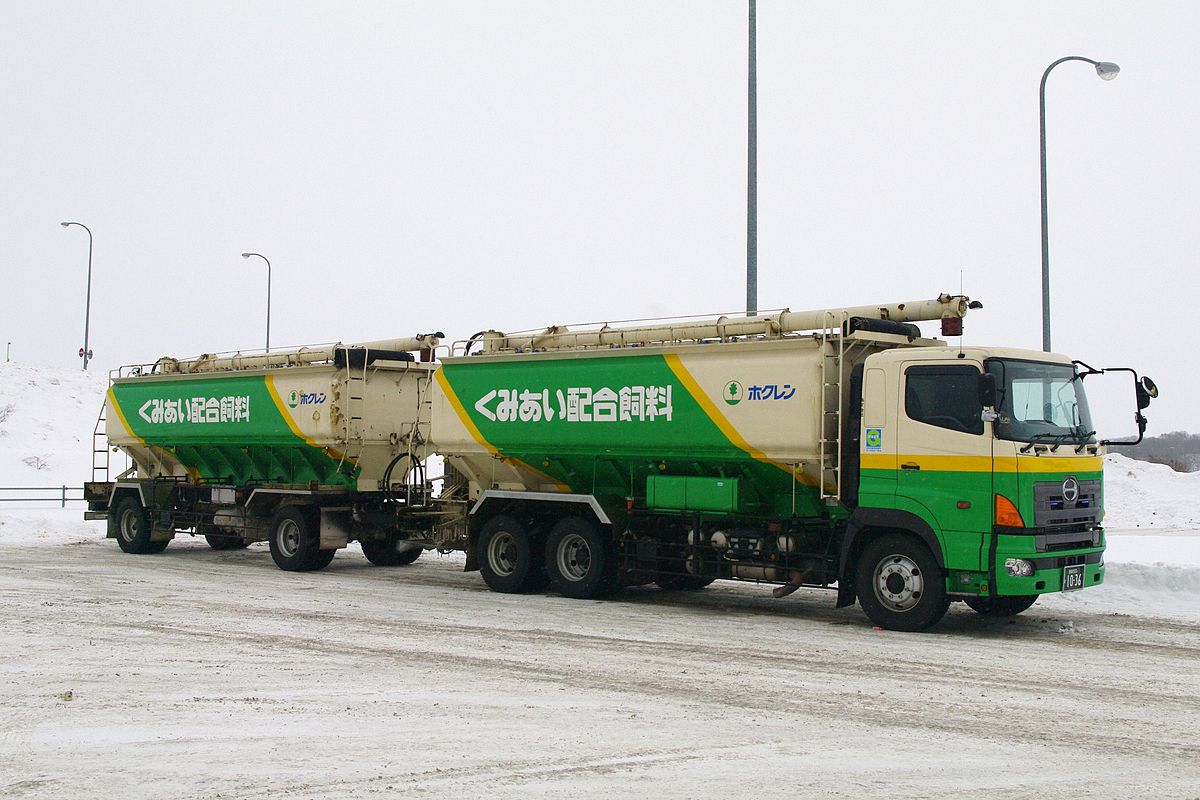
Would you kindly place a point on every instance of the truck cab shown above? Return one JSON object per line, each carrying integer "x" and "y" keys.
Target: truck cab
{"x": 990, "y": 457}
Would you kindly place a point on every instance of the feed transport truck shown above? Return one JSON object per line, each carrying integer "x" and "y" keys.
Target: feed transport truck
{"x": 834, "y": 448}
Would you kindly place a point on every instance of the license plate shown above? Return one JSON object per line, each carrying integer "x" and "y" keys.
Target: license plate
{"x": 1072, "y": 578}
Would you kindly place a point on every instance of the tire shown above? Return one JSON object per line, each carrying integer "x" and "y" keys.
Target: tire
{"x": 899, "y": 584}
{"x": 508, "y": 561}
{"x": 579, "y": 562}
{"x": 221, "y": 541}
{"x": 133, "y": 528}
{"x": 682, "y": 583}
{"x": 390, "y": 552}
{"x": 1002, "y": 606}
{"x": 296, "y": 540}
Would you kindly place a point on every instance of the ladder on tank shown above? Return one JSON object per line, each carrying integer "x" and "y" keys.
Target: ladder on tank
{"x": 102, "y": 454}
{"x": 100, "y": 451}
{"x": 353, "y": 435}
{"x": 832, "y": 338}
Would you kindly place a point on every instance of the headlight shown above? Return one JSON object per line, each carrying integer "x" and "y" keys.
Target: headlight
{"x": 1018, "y": 567}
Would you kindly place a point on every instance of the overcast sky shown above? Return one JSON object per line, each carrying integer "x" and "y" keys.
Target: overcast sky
{"x": 411, "y": 167}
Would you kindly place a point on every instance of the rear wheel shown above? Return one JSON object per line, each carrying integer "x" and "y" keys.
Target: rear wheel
{"x": 1002, "y": 606}
{"x": 579, "y": 561}
{"x": 507, "y": 558}
{"x": 133, "y": 528}
{"x": 390, "y": 552}
{"x": 899, "y": 584}
{"x": 296, "y": 540}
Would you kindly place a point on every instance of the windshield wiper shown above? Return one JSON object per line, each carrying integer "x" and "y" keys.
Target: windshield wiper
{"x": 1055, "y": 440}
{"x": 1082, "y": 438}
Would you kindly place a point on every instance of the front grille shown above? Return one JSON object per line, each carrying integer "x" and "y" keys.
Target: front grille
{"x": 1052, "y": 510}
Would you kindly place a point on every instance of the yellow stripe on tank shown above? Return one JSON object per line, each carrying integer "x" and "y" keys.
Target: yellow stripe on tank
{"x": 291, "y": 423}
{"x": 112, "y": 399}
{"x": 162, "y": 454}
{"x": 724, "y": 425}
{"x": 477, "y": 434}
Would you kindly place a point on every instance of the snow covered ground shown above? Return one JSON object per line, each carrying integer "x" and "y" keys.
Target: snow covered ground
{"x": 206, "y": 674}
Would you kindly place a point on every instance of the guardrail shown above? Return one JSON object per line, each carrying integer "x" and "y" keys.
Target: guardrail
{"x": 42, "y": 494}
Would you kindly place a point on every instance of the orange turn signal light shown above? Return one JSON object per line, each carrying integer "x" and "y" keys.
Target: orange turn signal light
{"x": 1007, "y": 514}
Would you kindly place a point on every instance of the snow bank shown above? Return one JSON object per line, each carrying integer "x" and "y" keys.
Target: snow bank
{"x": 47, "y": 416}
{"x": 1138, "y": 494}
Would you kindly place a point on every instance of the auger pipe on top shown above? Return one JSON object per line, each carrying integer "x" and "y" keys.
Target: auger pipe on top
{"x": 726, "y": 328}
{"x": 294, "y": 358}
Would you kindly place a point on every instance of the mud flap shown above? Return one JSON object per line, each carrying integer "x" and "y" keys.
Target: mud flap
{"x": 335, "y": 528}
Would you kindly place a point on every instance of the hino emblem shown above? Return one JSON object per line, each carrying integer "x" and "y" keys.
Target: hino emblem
{"x": 1070, "y": 490}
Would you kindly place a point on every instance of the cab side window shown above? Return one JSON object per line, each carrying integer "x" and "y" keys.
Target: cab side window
{"x": 944, "y": 396}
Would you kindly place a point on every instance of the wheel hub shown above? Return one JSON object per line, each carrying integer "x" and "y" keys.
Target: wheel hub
{"x": 574, "y": 557}
{"x": 129, "y": 525}
{"x": 501, "y": 553}
{"x": 899, "y": 583}
{"x": 288, "y": 538}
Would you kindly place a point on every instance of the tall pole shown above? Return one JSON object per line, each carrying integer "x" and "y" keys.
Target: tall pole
{"x": 87, "y": 309}
{"x": 264, "y": 258}
{"x": 752, "y": 175}
{"x": 1106, "y": 70}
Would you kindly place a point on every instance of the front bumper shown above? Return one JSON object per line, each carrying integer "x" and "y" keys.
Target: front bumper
{"x": 1048, "y": 567}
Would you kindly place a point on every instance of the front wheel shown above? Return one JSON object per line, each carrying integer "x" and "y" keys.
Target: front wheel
{"x": 899, "y": 584}
{"x": 133, "y": 528}
{"x": 1002, "y": 606}
{"x": 296, "y": 540}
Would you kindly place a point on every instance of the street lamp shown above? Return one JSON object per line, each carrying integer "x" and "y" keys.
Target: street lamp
{"x": 1107, "y": 71}
{"x": 85, "y": 353}
{"x": 264, "y": 258}
{"x": 752, "y": 170}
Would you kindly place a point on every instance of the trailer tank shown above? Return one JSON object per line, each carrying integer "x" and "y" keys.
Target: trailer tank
{"x": 337, "y": 416}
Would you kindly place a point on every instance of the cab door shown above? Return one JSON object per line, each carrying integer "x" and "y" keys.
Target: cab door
{"x": 944, "y": 458}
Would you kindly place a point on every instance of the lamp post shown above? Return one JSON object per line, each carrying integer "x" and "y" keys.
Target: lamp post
{"x": 85, "y": 353}
{"x": 752, "y": 173}
{"x": 1107, "y": 71}
{"x": 264, "y": 258}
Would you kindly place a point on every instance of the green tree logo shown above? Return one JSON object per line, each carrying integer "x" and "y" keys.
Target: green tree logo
{"x": 293, "y": 399}
{"x": 733, "y": 393}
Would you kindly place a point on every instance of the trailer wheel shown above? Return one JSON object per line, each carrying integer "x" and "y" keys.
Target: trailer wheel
{"x": 390, "y": 552}
{"x": 1002, "y": 606}
{"x": 507, "y": 559}
{"x": 578, "y": 560}
{"x": 218, "y": 541}
{"x": 134, "y": 528}
{"x": 899, "y": 584}
{"x": 296, "y": 540}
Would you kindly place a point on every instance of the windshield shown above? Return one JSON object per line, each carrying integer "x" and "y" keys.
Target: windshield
{"x": 1038, "y": 402}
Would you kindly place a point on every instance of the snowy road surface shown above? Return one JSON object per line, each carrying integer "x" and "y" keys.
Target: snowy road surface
{"x": 203, "y": 674}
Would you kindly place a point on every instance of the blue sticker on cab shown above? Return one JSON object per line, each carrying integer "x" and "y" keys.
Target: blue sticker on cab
{"x": 874, "y": 440}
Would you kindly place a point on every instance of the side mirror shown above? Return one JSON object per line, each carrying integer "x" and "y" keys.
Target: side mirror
{"x": 987, "y": 390}
{"x": 1146, "y": 391}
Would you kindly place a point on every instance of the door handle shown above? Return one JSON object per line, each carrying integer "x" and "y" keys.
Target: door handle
{"x": 910, "y": 466}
